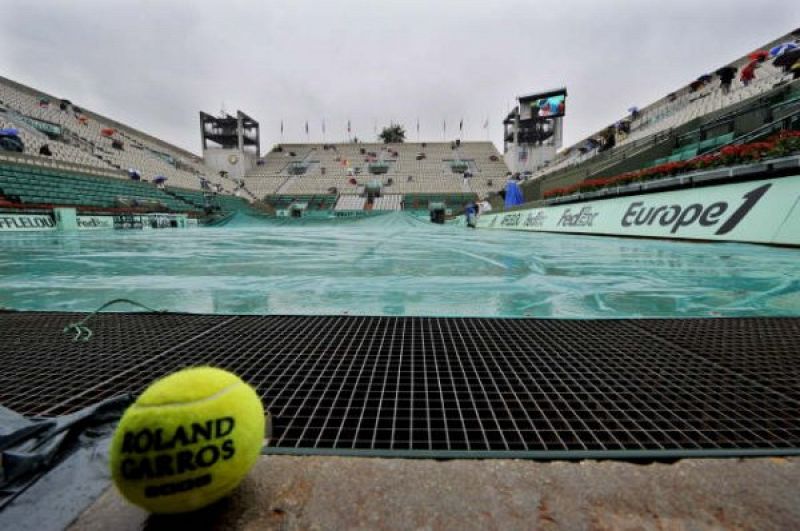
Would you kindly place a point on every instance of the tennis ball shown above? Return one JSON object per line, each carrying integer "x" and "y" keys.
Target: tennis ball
{"x": 187, "y": 441}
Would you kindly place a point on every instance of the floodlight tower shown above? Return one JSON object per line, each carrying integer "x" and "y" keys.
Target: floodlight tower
{"x": 534, "y": 129}
{"x": 231, "y": 144}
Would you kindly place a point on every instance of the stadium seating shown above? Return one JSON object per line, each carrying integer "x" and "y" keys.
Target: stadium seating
{"x": 388, "y": 202}
{"x": 677, "y": 109}
{"x": 312, "y": 202}
{"x": 33, "y": 185}
{"x": 94, "y": 141}
{"x": 350, "y": 202}
{"x": 87, "y": 142}
{"x": 410, "y": 168}
{"x": 697, "y": 119}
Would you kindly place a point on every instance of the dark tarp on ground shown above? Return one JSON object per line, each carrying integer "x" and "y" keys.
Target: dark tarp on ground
{"x": 54, "y": 459}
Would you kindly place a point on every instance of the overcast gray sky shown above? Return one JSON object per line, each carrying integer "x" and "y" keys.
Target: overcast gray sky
{"x": 154, "y": 64}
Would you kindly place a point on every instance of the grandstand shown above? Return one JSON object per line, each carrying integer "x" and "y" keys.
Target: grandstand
{"x": 77, "y": 135}
{"x": 73, "y": 157}
{"x": 698, "y": 118}
{"x": 64, "y": 140}
{"x": 401, "y": 173}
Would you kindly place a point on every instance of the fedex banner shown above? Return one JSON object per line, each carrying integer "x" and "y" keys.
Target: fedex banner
{"x": 46, "y": 222}
{"x": 95, "y": 222}
{"x": 766, "y": 211}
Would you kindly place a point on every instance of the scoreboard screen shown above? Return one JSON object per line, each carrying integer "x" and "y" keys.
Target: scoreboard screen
{"x": 552, "y": 104}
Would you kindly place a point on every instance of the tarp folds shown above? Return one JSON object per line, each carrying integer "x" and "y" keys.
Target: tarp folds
{"x": 31, "y": 446}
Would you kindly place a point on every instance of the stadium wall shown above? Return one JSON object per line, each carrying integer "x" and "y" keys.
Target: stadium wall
{"x": 765, "y": 211}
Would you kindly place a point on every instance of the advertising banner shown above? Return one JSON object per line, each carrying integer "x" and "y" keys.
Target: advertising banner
{"x": 95, "y": 222}
{"x": 26, "y": 222}
{"x": 765, "y": 211}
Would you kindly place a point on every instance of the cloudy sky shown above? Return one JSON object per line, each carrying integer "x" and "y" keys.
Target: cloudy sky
{"x": 154, "y": 64}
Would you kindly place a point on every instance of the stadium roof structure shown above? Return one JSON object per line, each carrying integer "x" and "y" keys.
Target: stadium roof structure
{"x": 222, "y": 129}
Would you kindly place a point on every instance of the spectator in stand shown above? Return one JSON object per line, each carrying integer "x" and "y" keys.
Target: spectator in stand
{"x": 726, "y": 76}
{"x": 748, "y": 73}
{"x": 609, "y": 139}
{"x": 623, "y": 128}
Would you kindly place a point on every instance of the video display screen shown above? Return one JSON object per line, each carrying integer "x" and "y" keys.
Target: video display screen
{"x": 549, "y": 107}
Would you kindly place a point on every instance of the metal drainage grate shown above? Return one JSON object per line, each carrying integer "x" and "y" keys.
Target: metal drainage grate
{"x": 444, "y": 386}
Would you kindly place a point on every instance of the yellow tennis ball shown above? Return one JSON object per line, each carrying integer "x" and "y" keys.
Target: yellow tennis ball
{"x": 187, "y": 441}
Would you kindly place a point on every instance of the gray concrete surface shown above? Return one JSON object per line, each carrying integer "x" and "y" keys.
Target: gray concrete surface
{"x": 285, "y": 492}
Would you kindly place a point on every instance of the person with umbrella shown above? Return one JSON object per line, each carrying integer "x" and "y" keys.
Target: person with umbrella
{"x": 726, "y": 76}
{"x": 780, "y": 49}
{"x": 787, "y": 59}
{"x": 795, "y": 69}
{"x": 748, "y": 73}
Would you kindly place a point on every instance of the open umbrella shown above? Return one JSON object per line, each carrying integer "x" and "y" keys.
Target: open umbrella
{"x": 758, "y": 55}
{"x": 705, "y": 78}
{"x": 726, "y": 71}
{"x": 787, "y": 59}
{"x": 134, "y": 175}
{"x": 159, "y": 179}
{"x": 775, "y": 51}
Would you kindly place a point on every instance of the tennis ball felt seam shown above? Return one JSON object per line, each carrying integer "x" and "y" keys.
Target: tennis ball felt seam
{"x": 214, "y": 396}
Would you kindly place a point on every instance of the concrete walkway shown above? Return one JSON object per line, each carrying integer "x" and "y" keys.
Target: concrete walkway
{"x": 360, "y": 493}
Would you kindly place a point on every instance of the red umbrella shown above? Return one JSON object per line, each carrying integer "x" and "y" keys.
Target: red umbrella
{"x": 759, "y": 55}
